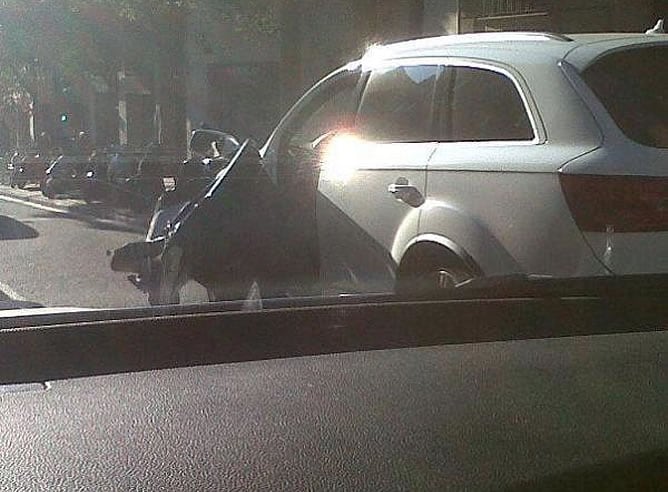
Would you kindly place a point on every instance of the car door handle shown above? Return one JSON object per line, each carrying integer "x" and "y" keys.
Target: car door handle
{"x": 398, "y": 189}
{"x": 406, "y": 192}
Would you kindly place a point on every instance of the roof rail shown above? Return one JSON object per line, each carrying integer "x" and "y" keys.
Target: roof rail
{"x": 556, "y": 36}
{"x": 487, "y": 34}
{"x": 539, "y": 34}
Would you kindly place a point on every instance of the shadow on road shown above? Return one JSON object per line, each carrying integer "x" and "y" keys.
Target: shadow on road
{"x": 124, "y": 220}
{"x": 107, "y": 226}
{"x": 11, "y": 229}
{"x": 100, "y": 224}
{"x": 97, "y": 215}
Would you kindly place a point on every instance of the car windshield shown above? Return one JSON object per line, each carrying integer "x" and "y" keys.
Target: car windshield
{"x": 170, "y": 152}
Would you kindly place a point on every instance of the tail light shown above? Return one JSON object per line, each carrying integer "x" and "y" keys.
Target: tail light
{"x": 617, "y": 203}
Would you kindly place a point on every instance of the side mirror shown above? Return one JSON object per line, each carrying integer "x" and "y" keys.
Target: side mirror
{"x": 202, "y": 141}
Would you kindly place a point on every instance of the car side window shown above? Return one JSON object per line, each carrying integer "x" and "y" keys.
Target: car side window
{"x": 327, "y": 107}
{"x": 397, "y": 104}
{"x": 479, "y": 105}
{"x": 330, "y": 108}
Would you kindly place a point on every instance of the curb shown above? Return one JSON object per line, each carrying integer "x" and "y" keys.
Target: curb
{"x": 79, "y": 209}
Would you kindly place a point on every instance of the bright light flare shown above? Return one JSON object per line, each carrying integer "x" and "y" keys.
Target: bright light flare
{"x": 375, "y": 55}
{"x": 341, "y": 157}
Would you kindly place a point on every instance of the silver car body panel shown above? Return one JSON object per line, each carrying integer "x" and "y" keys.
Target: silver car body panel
{"x": 505, "y": 226}
{"x": 499, "y": 205}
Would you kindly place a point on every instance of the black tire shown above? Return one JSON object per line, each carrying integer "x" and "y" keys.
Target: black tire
{"x": 47, "y": 191}
{"x": 430, "y": 270}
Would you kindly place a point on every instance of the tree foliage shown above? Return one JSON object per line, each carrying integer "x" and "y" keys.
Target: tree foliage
{"x": 77, "y": 38}
{"x": 85, "y": 38}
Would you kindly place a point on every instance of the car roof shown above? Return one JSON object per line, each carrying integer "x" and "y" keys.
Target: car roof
{"x": 578, "y": 49}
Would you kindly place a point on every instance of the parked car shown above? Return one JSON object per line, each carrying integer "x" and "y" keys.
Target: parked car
{"x": 127, "y": 177}
{"x": 107, "y": 174}
{"x": 95, "y": 186}
{"x": 30, "y": 170}
{"x": 431, "y": 162}
{"x": 488, "y": 154}
{"x": 137, "y": 180}
{"x": 66, "y": 176}
{"x": 145, "y": 187}
{"x": 11, "y": 159}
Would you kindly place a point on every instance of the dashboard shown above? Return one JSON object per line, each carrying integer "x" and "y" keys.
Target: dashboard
{"x": 353, "y": 412}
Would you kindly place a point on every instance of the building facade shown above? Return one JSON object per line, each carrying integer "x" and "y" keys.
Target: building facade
{"x": 563, "y": 16}
{"x": 239, "y": 68}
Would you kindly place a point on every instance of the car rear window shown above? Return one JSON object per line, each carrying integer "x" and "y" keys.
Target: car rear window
{"x": 632, "y": 84}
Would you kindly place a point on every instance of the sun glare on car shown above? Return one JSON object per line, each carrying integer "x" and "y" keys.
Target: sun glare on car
{"x": 341, "y": 157}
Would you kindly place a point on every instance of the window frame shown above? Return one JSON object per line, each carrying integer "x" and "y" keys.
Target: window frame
{"x": 276, "y": 142}
{"x": 298, "y": 121}
{"x": 291, "y": 119}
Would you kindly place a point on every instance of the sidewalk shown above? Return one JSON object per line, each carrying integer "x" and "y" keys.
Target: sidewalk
{"x": 90, "y": 212}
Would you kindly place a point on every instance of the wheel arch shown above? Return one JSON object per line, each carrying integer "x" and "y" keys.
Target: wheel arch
{"x": 423, "y": 242}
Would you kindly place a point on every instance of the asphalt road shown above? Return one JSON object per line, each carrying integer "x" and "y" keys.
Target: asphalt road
{"x": 60, "y": 259}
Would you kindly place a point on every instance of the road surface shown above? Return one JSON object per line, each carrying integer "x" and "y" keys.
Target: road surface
{"x": 60, "y": 259}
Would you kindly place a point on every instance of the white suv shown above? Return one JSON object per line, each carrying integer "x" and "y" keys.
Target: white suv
{"x": 447, "y": 158}
{"x": 434, "y": 161}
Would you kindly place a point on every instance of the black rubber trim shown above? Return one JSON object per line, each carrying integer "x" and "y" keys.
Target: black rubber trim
{"x": 43, "y": 353}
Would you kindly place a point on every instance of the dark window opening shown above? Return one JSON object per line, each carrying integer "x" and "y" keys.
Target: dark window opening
{"x": 482, "y": 105}
{"x": 632, "y": 86}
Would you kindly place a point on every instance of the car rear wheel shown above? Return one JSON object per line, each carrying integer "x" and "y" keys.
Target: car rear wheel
{"x": 429, "y": 270}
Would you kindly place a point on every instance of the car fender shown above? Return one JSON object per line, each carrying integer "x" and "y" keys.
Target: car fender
{"x": 442, "y": 224}
{"x": 405, "y": 235}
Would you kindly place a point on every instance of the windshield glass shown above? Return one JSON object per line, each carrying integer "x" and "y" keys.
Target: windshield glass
{"x": 170, "y": 152}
